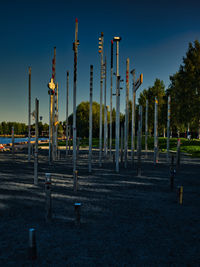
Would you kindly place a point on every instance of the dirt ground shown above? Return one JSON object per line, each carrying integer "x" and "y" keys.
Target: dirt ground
{"x": 126, "y": 220}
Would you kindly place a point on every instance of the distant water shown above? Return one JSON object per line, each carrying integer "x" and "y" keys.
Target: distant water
{"x": 5, "y": 140}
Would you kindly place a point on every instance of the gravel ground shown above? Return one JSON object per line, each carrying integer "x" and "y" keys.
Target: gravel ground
{"x": 125, "y": 220}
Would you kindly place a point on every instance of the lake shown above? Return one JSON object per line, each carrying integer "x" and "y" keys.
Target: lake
{"x": 6, "y": 140}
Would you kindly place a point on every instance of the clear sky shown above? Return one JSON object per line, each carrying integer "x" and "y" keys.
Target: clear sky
{"x": 155, "y": 36}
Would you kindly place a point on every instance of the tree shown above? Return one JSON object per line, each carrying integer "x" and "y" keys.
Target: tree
{"x": 157, "y": 90}
{"x": 185, "y": 90}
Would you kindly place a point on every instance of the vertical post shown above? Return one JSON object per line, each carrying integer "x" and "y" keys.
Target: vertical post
{"x": 117, "y": 39}
{"x": 126, "y": 114}
{"x": 139, "y": 145}
{"x": 122, "y": 140}
{"x": 75, "y": 47}
{"x": 48, "y": 202}
{"x": 54, "y": 108}
{"x": 156, "y": 131}
{"x": 106, "y": 130}
{"x": 133, "y": 119}
{"x": 32, "y": 244}
{"x": 77, "y": 209}
{"x": 180, "y": 195}
{"x": 178, "y": 152}
{"x": 56, "y": 123}
{"x": 168, "y": 125}
{"x": 146, "y": 126}
{"x": 111, "y": 85}
{"x": 29, "y": 116}
{"x": 76, "y": 181}
{"x": 67, "y": 106}
{"x": 90, "y": 120}
{"x": 105, "y": 117}
{"x": 101, "y": 42}
{"x": 13, "y": 141}
{"x": 36, "y": 142}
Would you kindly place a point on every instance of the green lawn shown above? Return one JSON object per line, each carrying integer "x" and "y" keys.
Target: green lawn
{"x": 191, "y": 147}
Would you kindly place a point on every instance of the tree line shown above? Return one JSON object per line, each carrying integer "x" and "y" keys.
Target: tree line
{"x": 184, "y": 90}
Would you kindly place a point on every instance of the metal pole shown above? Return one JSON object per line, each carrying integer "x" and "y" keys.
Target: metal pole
{"x": 54, "y": 108}
{"x": 122, "y": 140}
{"x": 117, "y": 39}
{"x": 126, "y": 114}
{"x": 168, "y": 125}
{"x": 156, "y": 131}
{"x": 111, "y": 85}
{"x": 67, "y": 104}
{"x": 75, "y": 47}
{"x": 101, "y": 96}
{"x": 29, "y": 116}
{"x": 133, "y": 120}
{"x": 139, "y": 145}
{"x": 13, "y": 141}
{"x": 90, "y": 118}
{"x": 36, "y": 142}
{"x": 106, "y": 130}
{"x": 146, "y": 126}
{"x": 105, "y": 117}
{"x": 56, "y": 123}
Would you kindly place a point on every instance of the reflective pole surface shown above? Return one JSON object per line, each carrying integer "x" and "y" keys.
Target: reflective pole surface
{"x": 90, "y": 119}
{"x": 75, "y": 47}
{"x": 168, "y": 125}
{"x": 29, "y": 116}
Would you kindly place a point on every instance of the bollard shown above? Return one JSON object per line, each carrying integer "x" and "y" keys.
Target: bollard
{"x": 76, "y": 181}
{"x": 180, "y": 195}
{"x": 77, "y": 209}
{"x": 172, "y": 174}
{"x": 32, "y": 244}
{"x": 58, "y": 154}
{"x": 48, "y": 211}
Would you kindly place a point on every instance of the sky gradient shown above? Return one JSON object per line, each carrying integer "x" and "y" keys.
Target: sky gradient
{"x": 155, "y": 37}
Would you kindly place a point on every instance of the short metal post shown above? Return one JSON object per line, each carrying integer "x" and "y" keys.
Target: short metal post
{"x": 77, "y": 209}
{"x": 172, "y": 175}
{"x": 32, "y": 244}
{"x": 75, "y": 181}
{"x": 48, "y": 214}
{"x": 180, "y": 195}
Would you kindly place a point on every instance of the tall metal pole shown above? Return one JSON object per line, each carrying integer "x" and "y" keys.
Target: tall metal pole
{"x": 67, "y": 105}
{"x": 133, "y": 119}
{"x": 75, "y": 48}
{"x": 168, "y": 125}
{"x": 111, "y": 85}
{"x": 117, "y": 39}
{"x": 105, "y": 111}
{"x": 56, "y": 122}
{"x": 101, "y": 42}
{"x": 139, "y": 138}
{"x": 54, "y": 107}
{"x": 90, "y": 119}
{"x": 29, "y": 116}
{"x": 36, "y": 142}
{"x": 126, "y": 114}
{"x": 146, "y": 125}
{"x": 156, "y": 131}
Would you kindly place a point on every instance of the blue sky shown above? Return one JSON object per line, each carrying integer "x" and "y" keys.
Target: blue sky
{"x": 155, "y": 37}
